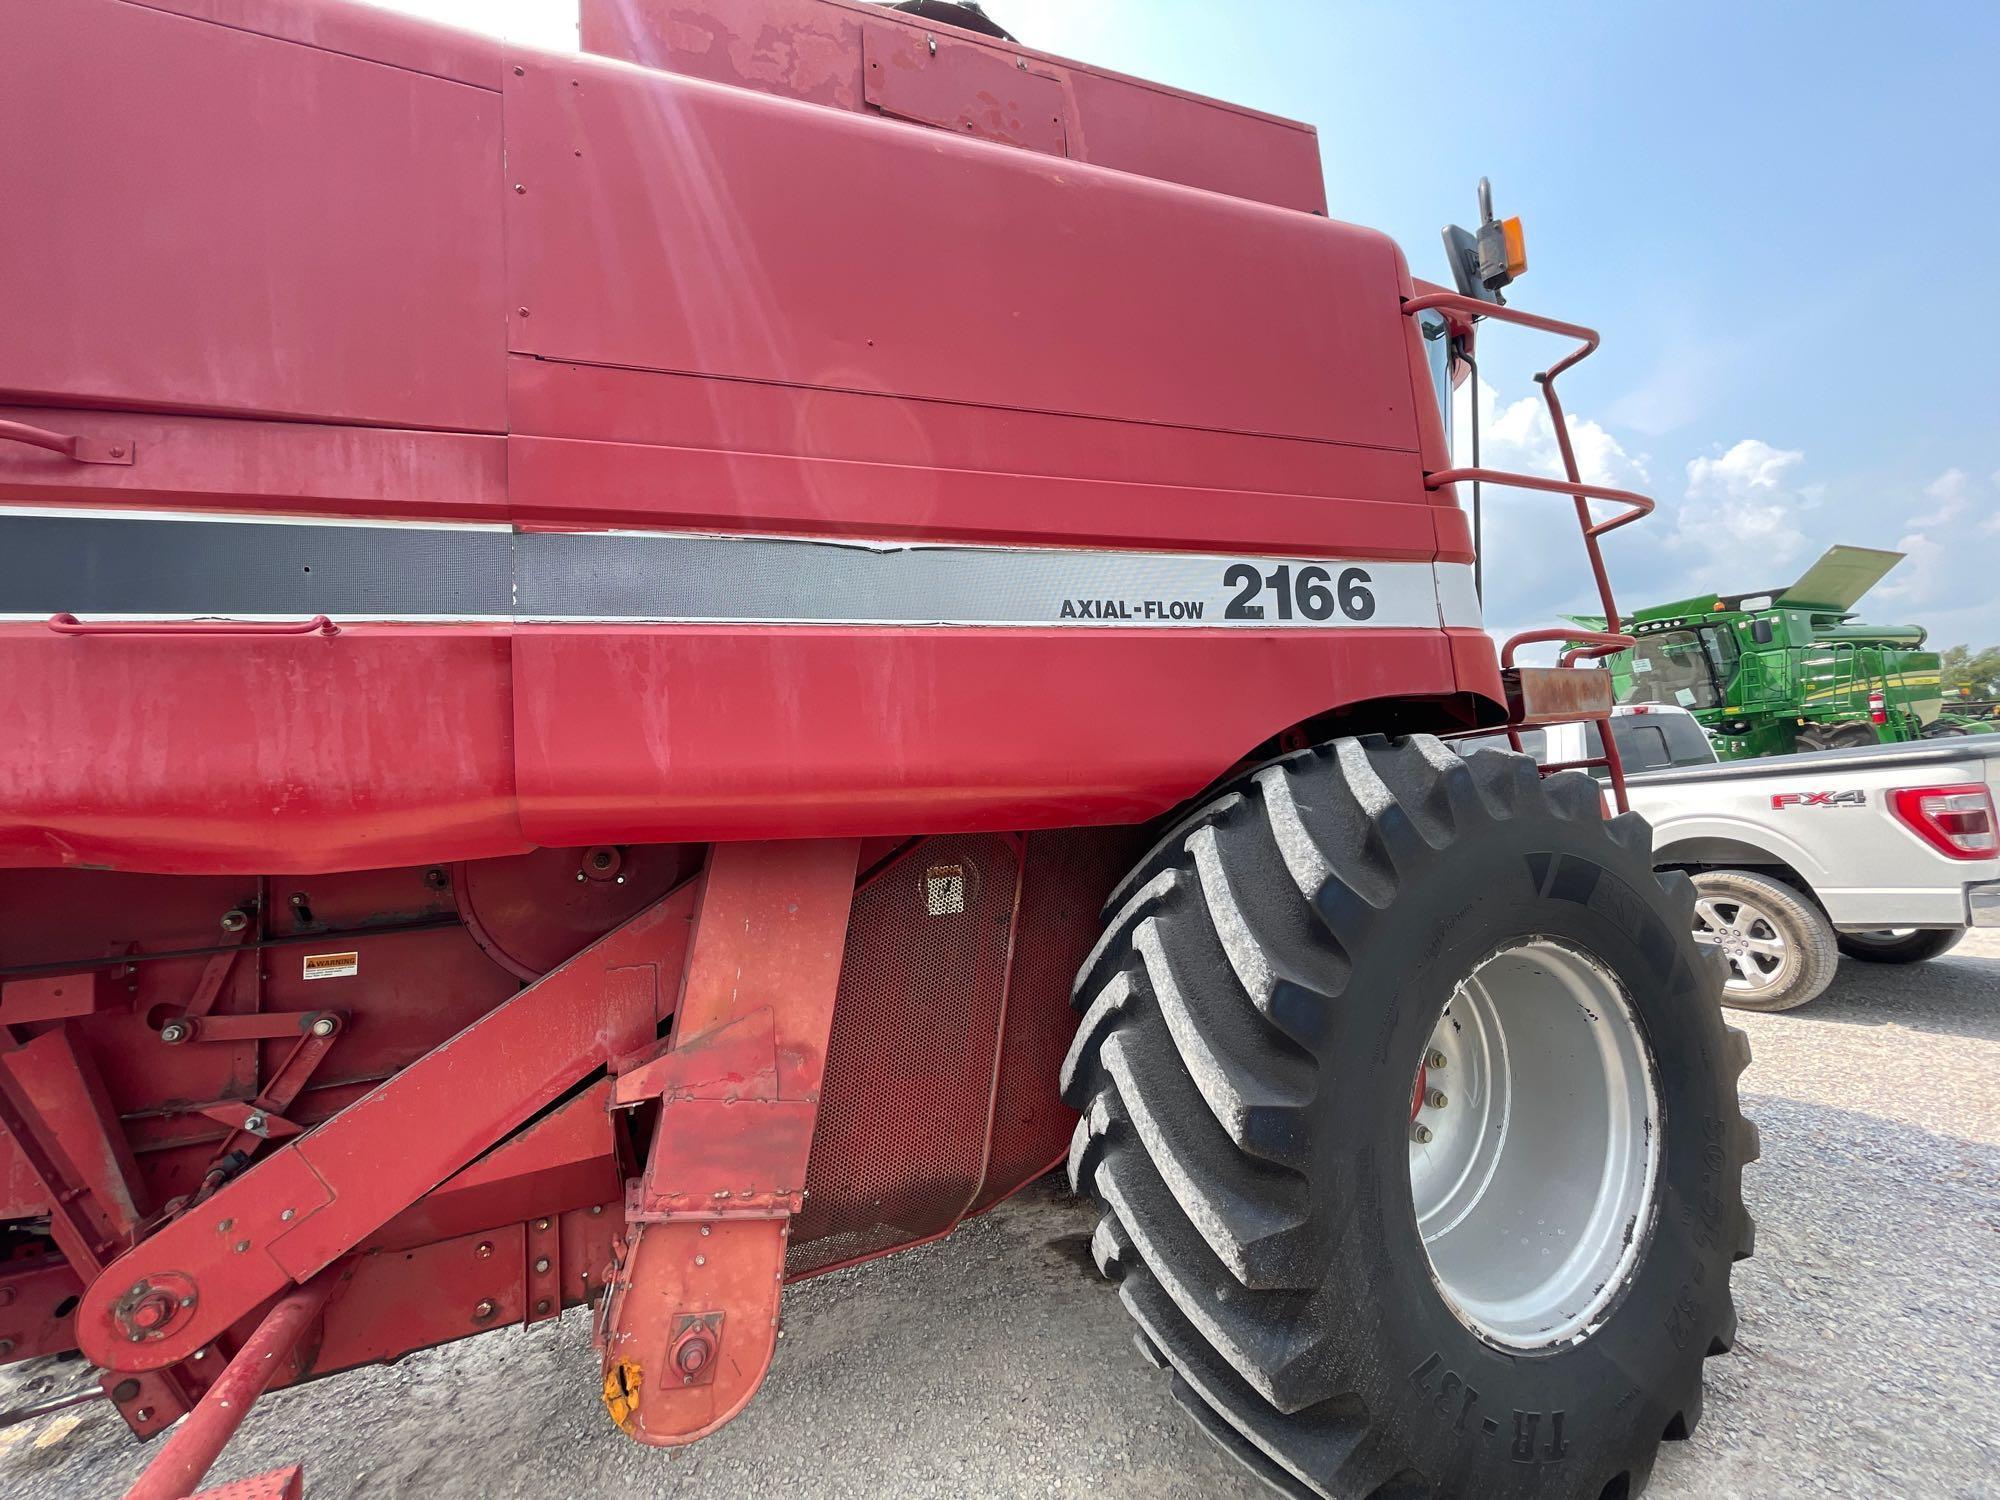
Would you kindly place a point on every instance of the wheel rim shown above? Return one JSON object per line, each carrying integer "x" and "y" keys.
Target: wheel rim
{"x": 1749, "y": 938}
{"x": 1534, "y": 1146}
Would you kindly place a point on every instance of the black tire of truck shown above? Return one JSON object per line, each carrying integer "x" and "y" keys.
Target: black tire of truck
{"x": 1757, "y": 913}
{"x": 1272, "y": 976}
{"x": 1895, "y": 947}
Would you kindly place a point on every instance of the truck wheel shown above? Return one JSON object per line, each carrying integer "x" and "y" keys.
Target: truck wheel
{"x": 1413, "y": 1119}
{"x": 1852, "y": 736}
{"x": 1943, "y": 731}
{"x": 1899, "y": 945}
{"x": 1779, "y": 946}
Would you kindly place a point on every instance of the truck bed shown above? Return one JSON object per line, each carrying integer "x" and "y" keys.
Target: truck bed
{"x": 1908, "y": 756}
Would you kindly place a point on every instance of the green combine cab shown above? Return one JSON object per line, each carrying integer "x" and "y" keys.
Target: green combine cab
{"x": 1790, "y": 669}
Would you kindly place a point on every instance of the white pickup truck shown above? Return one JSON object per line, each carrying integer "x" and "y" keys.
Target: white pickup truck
{"x": 1883, "y": 853}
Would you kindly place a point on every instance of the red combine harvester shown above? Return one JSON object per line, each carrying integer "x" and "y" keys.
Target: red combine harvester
{"x": 584, "y": 640}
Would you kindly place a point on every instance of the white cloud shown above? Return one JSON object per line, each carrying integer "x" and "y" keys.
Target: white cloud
{"x": 1952, "y": 491}
{"x": 1944, "y": 583}
{"x": 1518, "y": 435}
{"x": 1535, "y": 566}
{"x": 1920, "y": 575}
{"x": 1742, "y": 508}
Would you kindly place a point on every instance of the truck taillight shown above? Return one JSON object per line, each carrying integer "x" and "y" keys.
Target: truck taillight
{"x": 1878, "y": 709}
{"x": 1957, "y": 821}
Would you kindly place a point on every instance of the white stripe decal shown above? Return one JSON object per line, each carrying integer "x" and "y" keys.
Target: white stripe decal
{"x": 139, "y": 565}
{"x": 1458, "y": 599}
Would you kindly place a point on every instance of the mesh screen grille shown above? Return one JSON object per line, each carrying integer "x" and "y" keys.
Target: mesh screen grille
{"x": 900, "y": 1148}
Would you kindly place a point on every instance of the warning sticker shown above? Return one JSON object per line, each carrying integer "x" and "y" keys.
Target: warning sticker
{"x": 332, "y": 965}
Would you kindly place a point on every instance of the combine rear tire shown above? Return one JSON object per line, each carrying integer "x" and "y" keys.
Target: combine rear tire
{"x": 1899, "y": 945}
{"x": 1413, "y": 1119}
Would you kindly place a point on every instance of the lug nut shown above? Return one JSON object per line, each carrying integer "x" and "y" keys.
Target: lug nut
{"x": 1436, "y": 1099}
{"x": 1434, "y": 1059}
{"x": 1421, "y": 1134}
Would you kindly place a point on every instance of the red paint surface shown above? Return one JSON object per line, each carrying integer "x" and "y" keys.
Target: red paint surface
{"x": 715, "y": 230}
{"x": 382, "y": 745}
{"x": 230, "y": 222}
{"x": 216, "y": 463}
{"x": 961, "y": 85}
{"x": 773, "y": 733}
{"x": 813, "y": 50}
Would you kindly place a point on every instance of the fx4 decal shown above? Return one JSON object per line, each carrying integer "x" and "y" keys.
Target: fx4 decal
{"x": 1783, "y": 800}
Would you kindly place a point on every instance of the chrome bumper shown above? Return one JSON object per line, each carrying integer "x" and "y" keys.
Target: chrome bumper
{"x": 1982, "y": 904}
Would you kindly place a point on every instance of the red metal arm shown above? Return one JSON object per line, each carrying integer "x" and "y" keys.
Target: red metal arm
{"x": 71, "y": 445}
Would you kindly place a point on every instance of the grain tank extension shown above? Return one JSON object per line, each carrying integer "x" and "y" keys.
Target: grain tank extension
{"x": 635, "y": 675}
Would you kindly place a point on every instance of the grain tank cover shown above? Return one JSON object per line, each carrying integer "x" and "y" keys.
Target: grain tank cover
{"x": 951, "y": 75}
{"x": 1838, "y": 580}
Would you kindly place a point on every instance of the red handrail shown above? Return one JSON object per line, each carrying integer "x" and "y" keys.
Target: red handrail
{"x": 68, "y": 624}
{"x": 1596, "y": 644}
{"x": 1593, "y": 644}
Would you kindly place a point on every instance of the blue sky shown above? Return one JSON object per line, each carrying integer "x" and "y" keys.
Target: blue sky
{"x": 1775, "y": 213}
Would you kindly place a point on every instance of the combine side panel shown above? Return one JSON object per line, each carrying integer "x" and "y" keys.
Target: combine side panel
{"x": 323, "y": 245}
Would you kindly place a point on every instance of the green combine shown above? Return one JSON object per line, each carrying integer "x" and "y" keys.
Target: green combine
{"x": 1790, "y": 669}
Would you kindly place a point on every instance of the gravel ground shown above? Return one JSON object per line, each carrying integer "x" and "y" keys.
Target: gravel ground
{"x": 996, "y": 1364}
